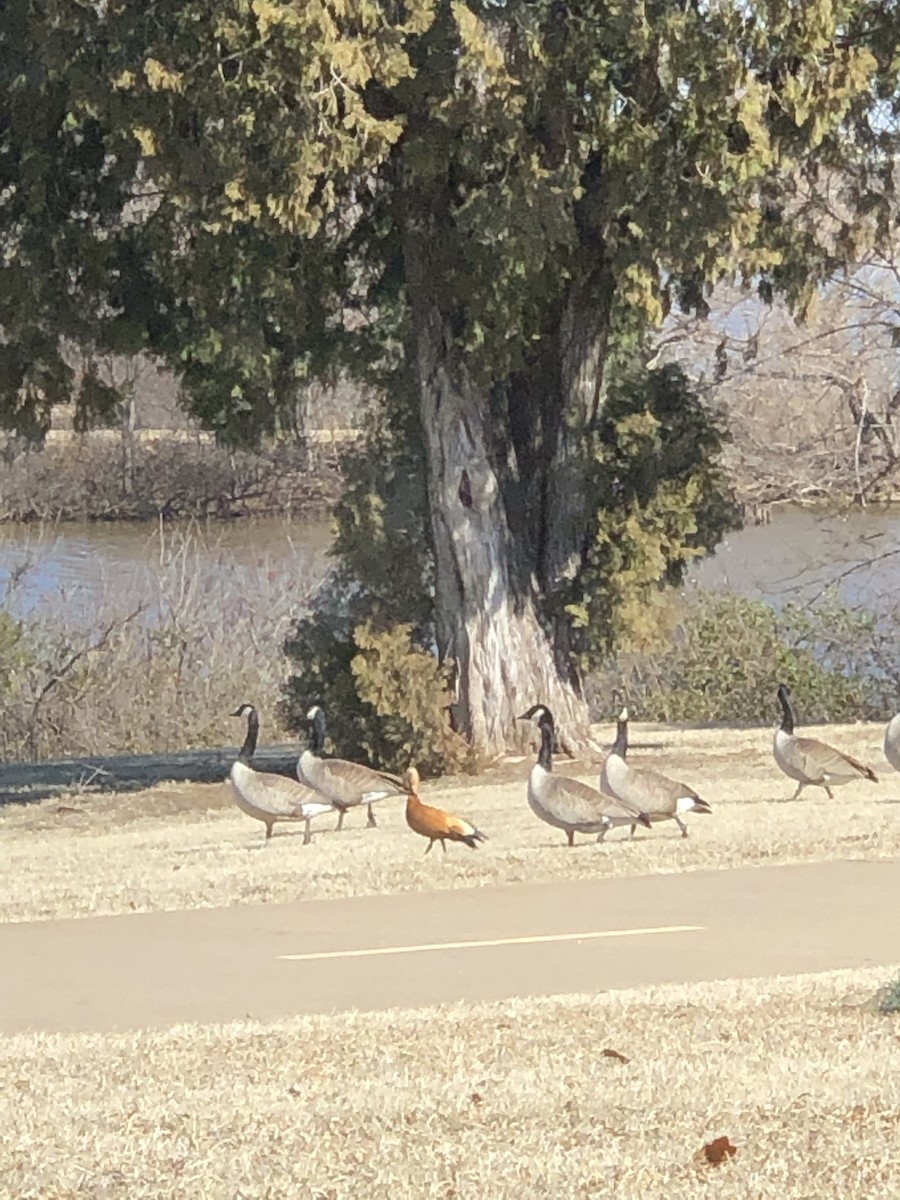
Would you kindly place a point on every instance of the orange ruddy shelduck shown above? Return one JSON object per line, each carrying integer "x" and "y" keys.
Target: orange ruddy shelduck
{"x": 433, "y": 823}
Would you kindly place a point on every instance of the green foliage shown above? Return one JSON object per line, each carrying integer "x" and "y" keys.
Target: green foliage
{"x": 387, "y": 699}
{"x": 16, "y": 654}
{"x": 384, "y": 692}
{"x": 382, "y": 543}
{"x": 267, "y": 193}
{"x": 661, "y": 500}
{"x": 720, "y": 658}
{"x": 321, "y": 648}
{"x": 887, "y": 998}
{"x": 224, "y": 184}
{"x": 411, "y": 693}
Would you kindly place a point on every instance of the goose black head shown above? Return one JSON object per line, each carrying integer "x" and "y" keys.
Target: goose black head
{"x": 539, "y": 712}
{"x": 315, "y": 723}
{"x": 244, "y": 710}
{"x": 784, "y": 692}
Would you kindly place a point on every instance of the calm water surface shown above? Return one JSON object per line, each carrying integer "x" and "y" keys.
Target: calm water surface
{"x": 802, "y": 553}
{"x": 86, "y": 567}
{"x": 93, "y": 565}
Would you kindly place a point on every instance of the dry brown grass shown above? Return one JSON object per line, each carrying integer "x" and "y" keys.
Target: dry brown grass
{"x": 186, "y": 847}
{"x": 488, "y": 1102}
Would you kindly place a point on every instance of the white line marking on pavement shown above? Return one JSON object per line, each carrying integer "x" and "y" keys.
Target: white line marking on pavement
{"x": 512, "y": 941}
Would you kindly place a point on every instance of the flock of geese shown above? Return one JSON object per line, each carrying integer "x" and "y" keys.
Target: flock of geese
{"x": 628, "y": 795}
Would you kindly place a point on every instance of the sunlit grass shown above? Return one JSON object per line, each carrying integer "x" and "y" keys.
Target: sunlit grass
{"x": 505, "y": 1101}
{"x": 186, "y": 847}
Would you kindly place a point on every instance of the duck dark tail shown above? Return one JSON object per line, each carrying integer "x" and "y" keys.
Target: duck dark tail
{"x": 473, "y": 839}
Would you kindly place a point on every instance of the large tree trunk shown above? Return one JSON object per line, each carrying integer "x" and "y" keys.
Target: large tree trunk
{"x": 486, "y": 614}
{"x": 550, "y": 413}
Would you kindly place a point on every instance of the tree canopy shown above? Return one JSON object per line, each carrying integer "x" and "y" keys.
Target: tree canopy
{"x": 483, "y": 209}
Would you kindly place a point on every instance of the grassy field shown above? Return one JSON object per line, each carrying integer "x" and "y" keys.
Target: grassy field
{"x": 512, "y": 1100}
{"x": 185, "y": 847}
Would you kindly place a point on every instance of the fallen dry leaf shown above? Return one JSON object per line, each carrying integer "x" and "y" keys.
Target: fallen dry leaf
{"x": 614, "y": 1054}
{"x": 476, "y": 1098}
{"x": 714, "y": 1153}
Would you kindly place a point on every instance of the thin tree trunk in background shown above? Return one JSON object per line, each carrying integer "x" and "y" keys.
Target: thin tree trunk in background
{"x": 128, "y": 424}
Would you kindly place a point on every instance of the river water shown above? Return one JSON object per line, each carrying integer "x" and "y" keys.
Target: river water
{"x": 802, "y": 553}
{"x": 93, "y": 566}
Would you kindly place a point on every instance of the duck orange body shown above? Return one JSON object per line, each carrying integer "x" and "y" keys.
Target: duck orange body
{"x": 434, "y": 823}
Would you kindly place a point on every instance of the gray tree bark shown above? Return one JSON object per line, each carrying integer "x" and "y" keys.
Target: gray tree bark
{"x": 486, "y": 619}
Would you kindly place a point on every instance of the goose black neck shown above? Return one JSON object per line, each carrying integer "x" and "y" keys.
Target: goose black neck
{"x": 545, "y": 758}
{"x": 249, "y": 747}
{"x": 787, "y": 720}
{"x": 317, "y": 733}
{"x": 620, "y": 745}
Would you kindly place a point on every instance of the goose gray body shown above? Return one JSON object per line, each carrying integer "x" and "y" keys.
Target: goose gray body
{"x": 892, "y": 742}
{"x": 344, "y": 784}
{"x": 567, "y": 803}
{"x": 661, "y": 798}
{"x": 810, "y": 762}
{"x": 267, "y": 797}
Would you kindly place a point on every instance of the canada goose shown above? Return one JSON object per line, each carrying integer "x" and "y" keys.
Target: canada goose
{"x": 663, "y": 799}
{"x": 434, "y": 823}
{"x": 892, "y": 742}
{"x": 809, "y": 761}
{"x": 567, "y": 803}
{"x": 270, "y": 798}
{"x": 345, "y": 784}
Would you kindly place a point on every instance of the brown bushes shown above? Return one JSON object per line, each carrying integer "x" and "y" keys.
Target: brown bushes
{"x": 156, "y": 665}
{"x": 85, "y": 478}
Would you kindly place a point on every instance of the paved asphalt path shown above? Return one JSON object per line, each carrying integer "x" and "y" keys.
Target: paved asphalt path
{"x": 376, "y": 952}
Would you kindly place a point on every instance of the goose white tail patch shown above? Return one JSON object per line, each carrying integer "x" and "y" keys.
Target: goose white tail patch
{"x": 371, "y": 797}
{"x": 684, "y": 804}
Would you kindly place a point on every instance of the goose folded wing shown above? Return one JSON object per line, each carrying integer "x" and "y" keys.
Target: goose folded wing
{"x": 821, "y": 761}
{"x": 581, "y": 804}
{"x": 358, "y": 784}
{"x": 285, "y": 797}
{"x": 658, "y": 793}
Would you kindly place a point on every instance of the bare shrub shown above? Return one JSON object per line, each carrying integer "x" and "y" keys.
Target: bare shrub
{"x": 86, "y": 478}
{"x": 813, "y": 407}
{"x": 158, "y": 667}
{"x": 720, "y": 657}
